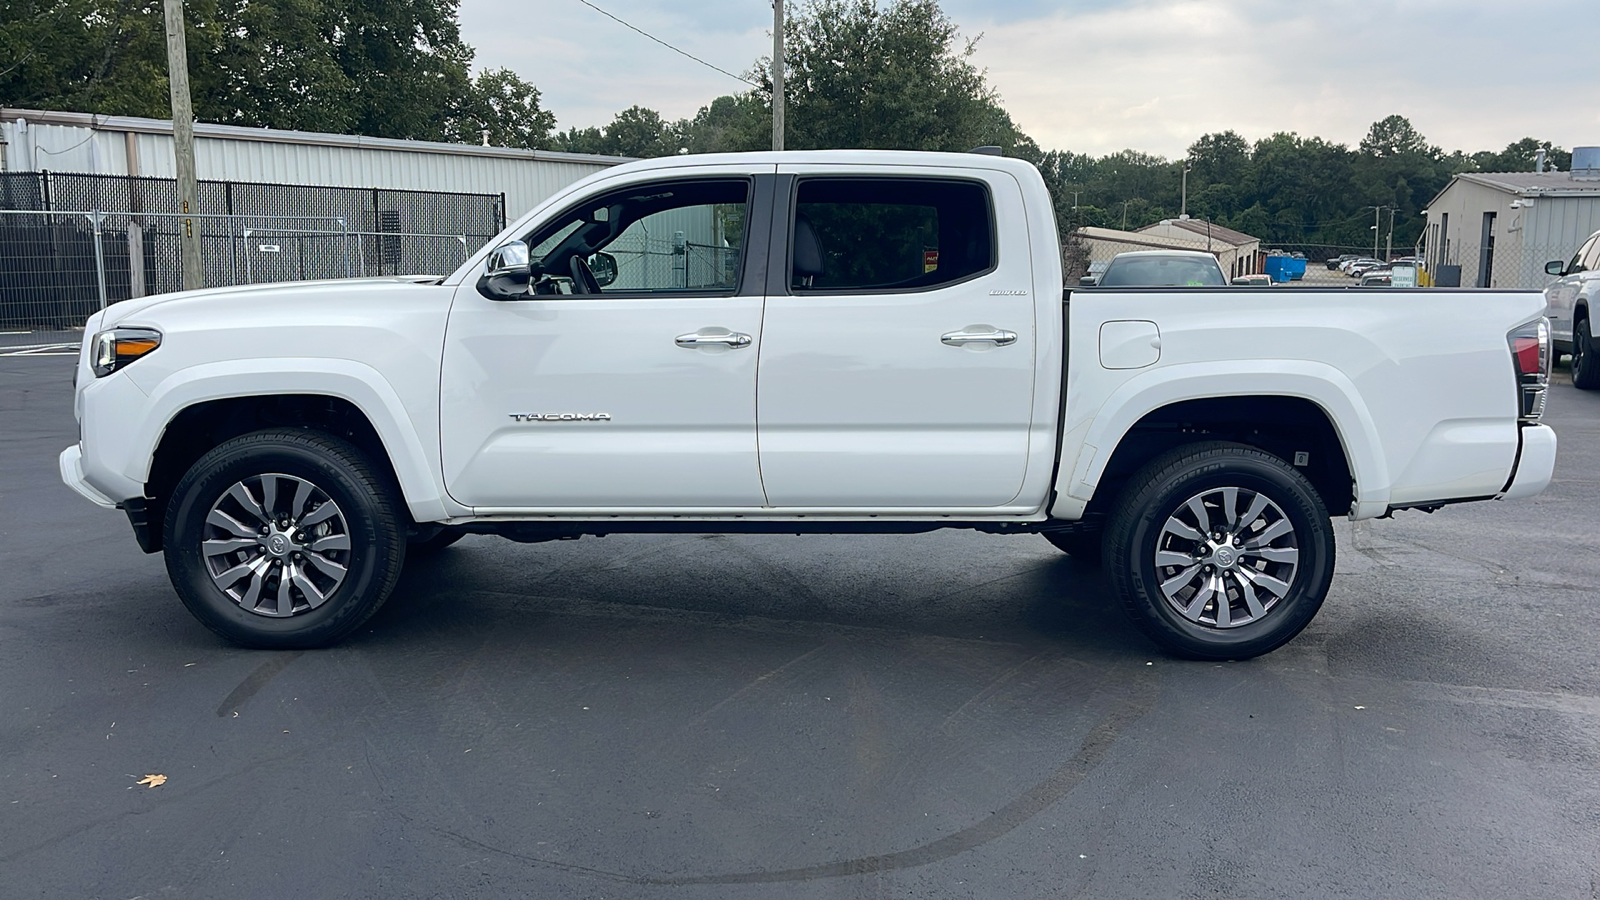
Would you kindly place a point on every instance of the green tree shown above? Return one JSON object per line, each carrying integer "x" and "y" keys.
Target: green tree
{"x": 636, "y": 131}
{"x": 1222, "y": 158}
{"x": 84, "y": 55}
{"x": 1395, "y": 136}
{"x": 896, "y": 76}
{"x": 508, "y": 108}
{"x": 397, "y": 68}
{"x": 1518, "y": 156}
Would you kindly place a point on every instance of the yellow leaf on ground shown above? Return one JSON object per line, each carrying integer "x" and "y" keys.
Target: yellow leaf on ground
{"x": 153, "y": 780}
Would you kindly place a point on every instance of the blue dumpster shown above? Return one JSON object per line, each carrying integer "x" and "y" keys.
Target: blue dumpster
{"x": 1279, "y": 268}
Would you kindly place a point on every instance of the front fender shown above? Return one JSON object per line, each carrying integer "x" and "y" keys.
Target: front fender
{"x": 360, "y": 384}
{"x": 1150, "y": 390}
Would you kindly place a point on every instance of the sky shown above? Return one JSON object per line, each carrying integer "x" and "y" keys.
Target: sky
{"x": 1097, "y": 76}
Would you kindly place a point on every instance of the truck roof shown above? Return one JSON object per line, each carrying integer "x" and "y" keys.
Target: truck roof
{"x": 833, "y": 157}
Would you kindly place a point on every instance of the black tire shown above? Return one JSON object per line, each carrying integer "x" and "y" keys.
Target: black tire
{"x": 368, "y": 511}
{"x": 1084, "y": 546}
{"x": 1585, "y": 363}
{"x": 433, "y": 541}
{"x": 1142, "y": 525}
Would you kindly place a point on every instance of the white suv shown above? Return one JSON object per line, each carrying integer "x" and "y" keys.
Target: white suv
{"x": 1569, "y": 299}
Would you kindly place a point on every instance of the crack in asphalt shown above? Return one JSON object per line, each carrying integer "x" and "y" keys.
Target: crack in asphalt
{"x": 1055, "y": 787}
{"x": 255, "y": 681}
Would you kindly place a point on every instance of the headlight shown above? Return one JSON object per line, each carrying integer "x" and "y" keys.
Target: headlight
{"x": 116, "y": 348}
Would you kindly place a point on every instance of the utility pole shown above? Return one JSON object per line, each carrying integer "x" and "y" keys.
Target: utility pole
{"x": 1183, "y": 206}
{"x": 183, "y": 142}
{"x": 1125, "y": 214}
{"x": 1377, "y": 214}
{"x": 1075, "y": 206}
{"x": 777, "y": 74}
{"x": 1388, "y": 249}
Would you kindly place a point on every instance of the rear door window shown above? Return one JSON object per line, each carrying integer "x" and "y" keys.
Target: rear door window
{"x": 889, "y": 234}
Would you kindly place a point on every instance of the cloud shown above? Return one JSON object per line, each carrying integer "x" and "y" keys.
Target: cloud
{"x": 1097, "y": 76}
{"x": 1086, "y": 80}
{"x": 588, "y": 68}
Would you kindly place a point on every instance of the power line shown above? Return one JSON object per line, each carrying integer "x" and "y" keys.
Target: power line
{"x": 667, "y": 45}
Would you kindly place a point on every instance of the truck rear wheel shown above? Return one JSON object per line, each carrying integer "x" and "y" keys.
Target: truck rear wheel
{"x": 1224, "y": 552}
{"x": 284, "y": 539}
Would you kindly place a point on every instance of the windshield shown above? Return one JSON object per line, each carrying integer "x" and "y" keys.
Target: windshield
{"x": 1162, "y": 271}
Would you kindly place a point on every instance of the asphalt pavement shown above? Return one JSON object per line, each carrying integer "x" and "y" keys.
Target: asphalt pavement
{"x": 703, "y": 716}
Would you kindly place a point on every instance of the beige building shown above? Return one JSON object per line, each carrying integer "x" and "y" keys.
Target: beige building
{"x": 1498, "y": 229}
{"x": 1239, "y": 253}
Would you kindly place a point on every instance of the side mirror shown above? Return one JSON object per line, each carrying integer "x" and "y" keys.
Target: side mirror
{"x": 507, "y": 274}
{"x": 604, "y": 267}
{"x": 509, "y": 259}
{"x": 1088, "y": 281}
{"x": 1555, "y": 267}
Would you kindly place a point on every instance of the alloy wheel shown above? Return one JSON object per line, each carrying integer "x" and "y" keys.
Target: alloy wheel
{"x": 276, "y": 544}
{"x": 1226, "y": 557}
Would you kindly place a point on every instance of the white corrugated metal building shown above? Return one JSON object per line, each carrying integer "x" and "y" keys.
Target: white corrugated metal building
{"x": 34, "y": 140}
{"x": 1501, "y": 228}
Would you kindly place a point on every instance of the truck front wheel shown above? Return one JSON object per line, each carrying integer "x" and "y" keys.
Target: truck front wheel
{"x": 1224, "y": 552}
{"x": 284, "y": 539}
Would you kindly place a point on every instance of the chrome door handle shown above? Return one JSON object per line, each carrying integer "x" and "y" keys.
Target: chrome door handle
{"x": 998, "y": 338}
{"x": 734, "y": 340}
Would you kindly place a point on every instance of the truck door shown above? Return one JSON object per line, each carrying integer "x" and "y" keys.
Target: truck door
{"x": 628, "y": 380}
{"x": 897, "y": 357}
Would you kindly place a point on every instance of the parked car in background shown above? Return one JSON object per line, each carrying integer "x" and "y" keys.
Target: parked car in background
{"x": 1163, "y": 268}
{"x": 1337, "y": 261}
{"x": 1376, "y": 278}
{"x": 1260, "y": 279}
{"x": 1568, "y": 301}
{"x": 1362, "y": 266}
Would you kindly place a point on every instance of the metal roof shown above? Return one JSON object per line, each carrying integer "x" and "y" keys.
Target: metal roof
{"x": 1535, "y": 184}
{"x": 139, "y": 125}
{"x": 1210, "y": 230}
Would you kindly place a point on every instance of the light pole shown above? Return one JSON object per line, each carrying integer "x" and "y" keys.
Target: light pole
{"x": 1377, "y": 215}
{"x": 1388, "y": 246}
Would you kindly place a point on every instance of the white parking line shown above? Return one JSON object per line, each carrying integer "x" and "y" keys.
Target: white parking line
{"x": 41, "y": 350}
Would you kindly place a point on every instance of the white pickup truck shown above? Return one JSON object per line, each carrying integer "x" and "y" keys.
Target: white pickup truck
{"x": 797, "y": 342}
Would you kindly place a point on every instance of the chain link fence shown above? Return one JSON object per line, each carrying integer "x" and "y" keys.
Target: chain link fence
{"x": 1503, "y": 265}
{"x": 649, "y": 263}
{"x": 73, "y": 244}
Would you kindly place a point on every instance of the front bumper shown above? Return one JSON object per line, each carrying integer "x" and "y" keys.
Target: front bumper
{"x": 1536, "y": 465}
{"x": 71, "y": 462}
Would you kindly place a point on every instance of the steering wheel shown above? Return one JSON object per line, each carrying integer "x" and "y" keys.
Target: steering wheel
{"x": 583, "y": 280}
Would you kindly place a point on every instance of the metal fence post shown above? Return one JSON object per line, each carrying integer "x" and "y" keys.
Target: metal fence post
{"x": 249, "y": 275}
{"x": 96, "y": 217}
{"x": 344, "y": 244}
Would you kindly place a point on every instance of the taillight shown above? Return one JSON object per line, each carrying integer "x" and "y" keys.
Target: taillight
{"x": 1530, "y": 356}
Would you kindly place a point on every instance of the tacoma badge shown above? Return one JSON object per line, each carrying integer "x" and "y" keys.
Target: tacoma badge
{"x": 561, "y": 417}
